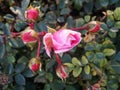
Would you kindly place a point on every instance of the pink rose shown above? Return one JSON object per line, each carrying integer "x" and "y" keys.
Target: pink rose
{"x": 61, "y": 41}
{"x": 29, "y": 36}
{"x": 35, "y": 64}
{"x": 32, "y": 14}
{"x": 61, "y": 71}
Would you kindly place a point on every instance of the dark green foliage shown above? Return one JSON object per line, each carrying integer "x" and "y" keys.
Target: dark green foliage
{"x": 89, "y": 63}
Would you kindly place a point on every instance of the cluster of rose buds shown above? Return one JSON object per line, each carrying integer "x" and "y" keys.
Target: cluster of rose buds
{"x": 59, "y": 41}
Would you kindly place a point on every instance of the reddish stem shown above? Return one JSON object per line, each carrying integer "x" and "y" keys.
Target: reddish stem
{"x": 41, "y": 34}
{"x": 14, "y": 34}
{"x": 81, "y": 28}
{"x": 38, "y": 50}
{"x": 31, "y": 25}
{"x": 58, "y": 59}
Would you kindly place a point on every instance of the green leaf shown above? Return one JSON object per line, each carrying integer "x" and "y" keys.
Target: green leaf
{"x": 19, "y": 67}
{"x": 115, "y": 66}
{"x": 117, "y": 24}
{"x": 79, "y": 22}
{"x": 78, "y": 4}
{"x": 28, "y": 73}
{"x": 104, "y": 26}
{"x": 57, "y": 85}
{"x": 88, "y": 7}
{"x": 70, "y": 22}
{"x": 104, "y": 3}
{"x": 51, "y": 17}
{"x": 70, "y": 66}
{"x": 47, "y": 87}
{"x": 87, "y": 18}
{"x": 108, "y": 52}
{"x": 100, "y": 55}
{"x": 61, "y": 4}
{"x": 61, "y": 19}
{"x": 70, "y": 88}
{"x": 9, "y": 69}
{"x": 49, "y": 76}
{"x": 19, "y": 87}
{"x": 76, "y": 71}
{"x": 66, "y": 58}
{"x": 117, "y": 13}
{"x": 117, "y": 57}
{"x": 112, "y": 34}
{"x": 87, "y": 69}
{"x": 2, "y": 47}
{"x": 13, "y": 43}
{"x": 50, "y": 64}
{"x": 75, "y": 61}
{"x": 9, "y": 17}
{"x": 19, "y": 79}
{"x": 103, "y": 62}
{"x": 11, "y": 59}
{"x": 65, "y": 11}
{"x": 40, "y": 79}
{"x": 113, "y": 1}
{"x": 89, "y": 47}
{"x": 41, "y": 26}
{"x": 84, "y": 60}
{"x": 25, "y": 4}
{"x": 90, "y": 56}
{"x": 6, "y": 29}
{"x": 20, "y": 26}
{"x": 23, "y": 60}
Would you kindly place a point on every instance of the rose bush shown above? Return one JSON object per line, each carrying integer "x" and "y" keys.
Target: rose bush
{"x": 59, "y": 44}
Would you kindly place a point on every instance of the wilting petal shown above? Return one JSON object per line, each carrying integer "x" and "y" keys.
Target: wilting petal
{"x": 47, "y": 41}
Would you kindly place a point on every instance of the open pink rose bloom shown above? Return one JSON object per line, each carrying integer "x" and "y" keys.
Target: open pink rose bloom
{"x": 61, "y": 41}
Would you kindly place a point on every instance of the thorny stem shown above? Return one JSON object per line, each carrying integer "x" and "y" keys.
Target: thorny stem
{"x": 38, "y": 50}
{"x": 32, "y": 25}
{"x": 81, "y": 28}
{"x": 41, "y": 34}
{"x": 58, "y": 59}
{"x": 14, "y": 34}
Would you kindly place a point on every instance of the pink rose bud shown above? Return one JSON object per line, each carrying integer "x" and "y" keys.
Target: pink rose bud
{"x": 61, "y": 71}
{"x": 61, "y": 41}
{"x": 29, "y": 36}
{"x": 94, "y": 26}
{"x": 35, "y": 64}
{"x": 96, "y": 86}
{"x": 32, "y": 14}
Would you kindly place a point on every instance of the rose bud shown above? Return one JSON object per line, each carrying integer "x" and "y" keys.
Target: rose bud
{"x": 35, "y": 64}
{"x": 96, "y": 86}
{"x": 29, "y": 36}
{"x": 94, "y": 26}
{"x": 61, "y": 71}
{"x": 32, "y": 14}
